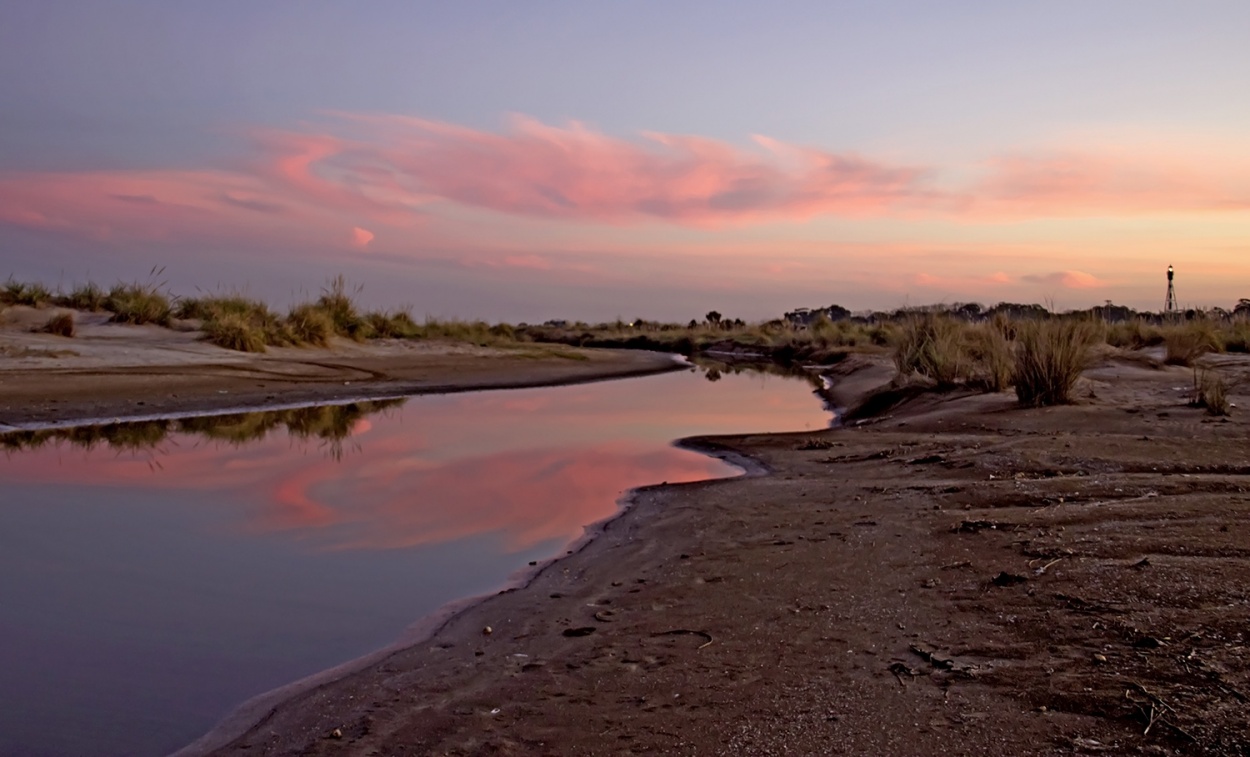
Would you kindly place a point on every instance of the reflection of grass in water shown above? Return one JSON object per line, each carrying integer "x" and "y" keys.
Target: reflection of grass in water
{"x": 328, "y": 423}
{"x": 714, "y": 369}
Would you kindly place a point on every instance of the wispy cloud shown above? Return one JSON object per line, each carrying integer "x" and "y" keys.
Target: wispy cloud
{"x": 1066, "y": 279}
{"x": 1109, "y": 181}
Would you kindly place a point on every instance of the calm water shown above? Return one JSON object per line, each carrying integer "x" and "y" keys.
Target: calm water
{"x": 153, "y": 576}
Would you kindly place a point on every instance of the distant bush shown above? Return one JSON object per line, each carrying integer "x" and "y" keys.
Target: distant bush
{"x": 1049, "y": 358}
{"x": 60, "y": 324}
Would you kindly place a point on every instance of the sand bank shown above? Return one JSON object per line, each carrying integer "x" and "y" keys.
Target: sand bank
{"x": 111, "y": 371}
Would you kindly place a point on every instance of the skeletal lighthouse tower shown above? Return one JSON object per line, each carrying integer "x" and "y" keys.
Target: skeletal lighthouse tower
{"x": 1169, "y": 305}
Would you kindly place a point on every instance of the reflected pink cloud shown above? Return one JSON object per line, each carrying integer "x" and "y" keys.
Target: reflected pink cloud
{"x": 541, "y": 471}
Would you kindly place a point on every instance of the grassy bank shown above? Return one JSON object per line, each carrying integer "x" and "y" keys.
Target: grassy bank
{"x": 1027, "y": 348}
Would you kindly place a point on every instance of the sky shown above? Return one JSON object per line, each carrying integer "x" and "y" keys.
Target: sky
{"x": 525, "y": 161}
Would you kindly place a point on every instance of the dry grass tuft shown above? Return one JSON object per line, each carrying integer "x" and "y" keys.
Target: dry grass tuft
{"x": 1134, "y": 334}
{"x": 1210, "y": 393}
{"x": 393, "y": 325}
{"x": 139, "y": 304}
{"x": 309, "y": 324}
{"x": 235, "y": 331}
{"x": 16, "y": 292}
{"x": 89, "y": 297}
{"x": 932, "y": 346}
{"x": 1050, "y": 356}
{"x": 991, "y": 352}
{"x": 60, "y": 324}
{"x": 1188, "y": 342}
{"x": 339, "y": 305}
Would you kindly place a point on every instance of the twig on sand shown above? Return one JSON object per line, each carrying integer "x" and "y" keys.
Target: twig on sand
{"x": 687, "y": 631}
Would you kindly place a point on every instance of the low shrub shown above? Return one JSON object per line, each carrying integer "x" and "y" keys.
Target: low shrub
{"x": 1049, "y": 358}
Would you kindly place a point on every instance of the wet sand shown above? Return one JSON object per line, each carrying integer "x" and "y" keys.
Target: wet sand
{"x": 956, "y": 576}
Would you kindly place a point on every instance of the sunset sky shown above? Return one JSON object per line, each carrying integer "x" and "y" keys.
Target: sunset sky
{"x": 524, "y": 161}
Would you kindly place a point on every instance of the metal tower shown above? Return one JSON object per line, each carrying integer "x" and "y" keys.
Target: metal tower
{"x": 1169, "y": 305}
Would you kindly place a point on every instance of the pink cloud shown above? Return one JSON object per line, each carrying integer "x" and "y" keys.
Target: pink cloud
{"x": 1066, "y": 279}
{"x": 576, "y": 172}
{"x": 361, "y": 237}
{"x": 369, "y": 172}
{"x": 1109, "y": 181}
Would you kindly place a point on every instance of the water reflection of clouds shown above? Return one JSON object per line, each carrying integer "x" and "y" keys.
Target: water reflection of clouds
{"x": 529, "y": 465}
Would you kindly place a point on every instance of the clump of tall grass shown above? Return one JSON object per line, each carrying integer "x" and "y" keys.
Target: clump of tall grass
{"x": 60, "y": 324}
{"x": 16, "y": 292}
{"x": 138, "y": 303}
{"x": 1187, "y": 342}
{"x": 309, "y": 324}
{"x": 1050, "y": 356}
{"x": 341, "y": 308}
{"x": 234, "y": 331}
{"x": 1210, "y": 393}
{"x": 990, "y": 349}
{"x": 88, "y": 296}
{"x": 1236, "y": 336}
{"x": 393, "y": 325}
{"x": 480, "y": 333}
{"x": 932, "y": 346}
{"x": 1134, "y": 334}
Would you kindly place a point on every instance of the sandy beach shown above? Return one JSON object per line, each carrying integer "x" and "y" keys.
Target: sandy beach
{"x": 951, "y": 575}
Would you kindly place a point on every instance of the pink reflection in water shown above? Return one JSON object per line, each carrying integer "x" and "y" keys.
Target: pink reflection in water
{"x": 527, "y": 465}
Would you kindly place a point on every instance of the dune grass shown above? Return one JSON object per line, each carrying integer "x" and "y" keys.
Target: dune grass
{"x": 139, "y": 303}
{"x": 1050, "y": 357}
{"x": 1211, "y": 392}
{"x": 309, "y": 324}
{"x": 1187, "y": 342}
{"x": 33, "y": 295}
